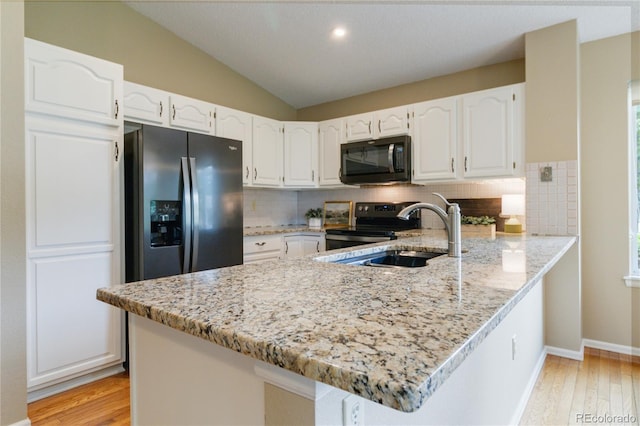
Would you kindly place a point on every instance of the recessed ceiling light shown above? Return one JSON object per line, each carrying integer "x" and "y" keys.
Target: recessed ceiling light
{"x": 339, "y": 32}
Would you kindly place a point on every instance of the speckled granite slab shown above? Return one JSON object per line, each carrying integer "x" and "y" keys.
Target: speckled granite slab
{"x": 273, "y": 230}
{"x": 390, "y": 335}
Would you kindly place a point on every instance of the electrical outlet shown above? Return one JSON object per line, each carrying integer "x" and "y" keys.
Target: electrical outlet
{"x": 352, "y": 411}
{"x": 514, "y": 341}
{"x": 546, "y": 174}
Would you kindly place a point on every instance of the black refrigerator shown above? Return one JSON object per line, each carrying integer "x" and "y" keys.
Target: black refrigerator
{"x": 183, "y": 202}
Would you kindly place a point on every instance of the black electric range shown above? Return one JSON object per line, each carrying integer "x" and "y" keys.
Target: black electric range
{"x": 375, "y": 222}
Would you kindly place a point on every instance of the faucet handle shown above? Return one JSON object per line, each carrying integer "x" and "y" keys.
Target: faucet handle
{"x": 446, "y": 202}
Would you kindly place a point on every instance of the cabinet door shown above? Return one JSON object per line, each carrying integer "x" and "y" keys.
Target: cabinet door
{"x": 488, "y": 132}
{"x": 261, "y": 248}
{"x": 267, "y": 152}
{"x": 237, "y": 125}
{"x": 329, "y": 140}
{"x": 191, "y": 114}
{"x": 360, "y": 127}
{"x": 73, "y": 132}
{"x": 302, "y": 245}
{"x": 68, "y": 84}
{"x": 391, "y": 122}
{"x": 144, "y": 104}
{"x": 73, "y": 222}
{"x": 293, "y": 247}
{"x": 300, "y": 154}
{"x": 313, "y": 244}
{"x": 435, "y": 140}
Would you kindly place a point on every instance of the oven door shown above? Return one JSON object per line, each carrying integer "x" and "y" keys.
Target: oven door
{"x": 376, "y": 161}
{"x": 335, "y": 241}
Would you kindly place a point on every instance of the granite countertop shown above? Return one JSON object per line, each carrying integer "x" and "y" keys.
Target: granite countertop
{"x": 391, "y": 336}
{"x": 273, "y": 230}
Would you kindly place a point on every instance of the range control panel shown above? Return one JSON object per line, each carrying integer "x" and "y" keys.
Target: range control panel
{"x": 382, "y": 209}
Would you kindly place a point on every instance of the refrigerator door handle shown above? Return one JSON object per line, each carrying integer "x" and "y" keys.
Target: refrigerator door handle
{"x": 196, "y": 213}
{"x": 186, "y": 204}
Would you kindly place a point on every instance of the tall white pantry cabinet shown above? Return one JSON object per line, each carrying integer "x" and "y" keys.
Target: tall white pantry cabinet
{"x": 74, "y": 127}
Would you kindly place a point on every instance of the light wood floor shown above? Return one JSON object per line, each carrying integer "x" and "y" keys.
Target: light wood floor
{"x": 605, "y": 383}
{"x": 570, "y": 392}
{"x": 104, "y": 402}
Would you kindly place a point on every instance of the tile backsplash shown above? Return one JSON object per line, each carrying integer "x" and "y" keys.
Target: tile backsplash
{"x": 552, "y": 198}
{"x": 267, "y": 207}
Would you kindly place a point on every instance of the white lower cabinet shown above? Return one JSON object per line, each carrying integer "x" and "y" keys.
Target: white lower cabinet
{"x": 281, "y": 246}
{"x": 303, "y": 244}
{"x": 73, "y": 169}
{"x": 262, "y": 248}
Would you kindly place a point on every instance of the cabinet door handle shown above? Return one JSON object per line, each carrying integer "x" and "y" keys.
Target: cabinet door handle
{"x": 160, "y": 108}
{"x": 369, "y": 126}
{"x": 379, "y": 126}
{"x": 117, "y": 109}
{"x": 174, "y": 112}
{"x": 255, "y": 173}
{"x": 286, "y": 247}
{"x": 117, "y": 151}
{"x": 317, "y": 246}
{"x": 313, "y": 175}
{"x": 452, "y": 169}
{"x": 261, "y": 243}
{"x": 465, "y": 163}
{"x": 247, "y": 175}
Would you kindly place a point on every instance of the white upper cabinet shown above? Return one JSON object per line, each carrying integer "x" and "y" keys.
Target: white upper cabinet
{"x": 391, "y": 122}
{"x": 359, "y": 127}
{"x": 144, "y": 104}
{"x": 267, "y": 152}
{"x": 435, "y": 136}
{"x": 68, "y": 84}
{"x": 330, "y": 136}
{"x": 378, "y": 124}
{"x": 234, "y": 124}
{"x": 300, "y": 154}
{"x": 191, "y": 114}
{"x": 489, "y": 133}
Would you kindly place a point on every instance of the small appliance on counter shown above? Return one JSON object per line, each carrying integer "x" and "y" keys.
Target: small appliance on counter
{"x": 375, "y": 222}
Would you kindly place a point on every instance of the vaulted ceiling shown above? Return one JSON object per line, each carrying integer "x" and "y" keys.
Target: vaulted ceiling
{"x": 288, "y": 47}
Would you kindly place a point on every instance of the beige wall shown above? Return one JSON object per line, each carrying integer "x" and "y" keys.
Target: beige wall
{"x": 150, "y": 54}
{"x": 439, "y": 87}
{"x": 13, "y": 381}
{"x": 552, "y": 104}
{"x": 552, "y": 56}
{"x": 610, "y": 309}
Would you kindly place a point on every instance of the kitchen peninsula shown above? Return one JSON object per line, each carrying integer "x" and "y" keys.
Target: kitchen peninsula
{"x": 435, "y": 344}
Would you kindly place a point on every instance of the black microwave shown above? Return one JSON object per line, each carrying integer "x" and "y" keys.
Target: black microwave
{"x": 377, "y": 161}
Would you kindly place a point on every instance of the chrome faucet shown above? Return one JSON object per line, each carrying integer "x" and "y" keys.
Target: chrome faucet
{"x": 451, "y": 219}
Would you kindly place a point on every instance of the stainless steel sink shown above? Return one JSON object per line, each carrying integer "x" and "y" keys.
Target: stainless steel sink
{"x": 393, "y": 259}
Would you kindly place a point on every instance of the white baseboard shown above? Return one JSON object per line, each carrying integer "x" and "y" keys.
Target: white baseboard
{"x": 611, "y": 347}
{"x": 524, "y": 399}
{"x": 35, "y": 395}
{"x": 25, "y": 422}
{"x": 566, "y": 353}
